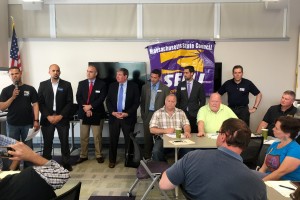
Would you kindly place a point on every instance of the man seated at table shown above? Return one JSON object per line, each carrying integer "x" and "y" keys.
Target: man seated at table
{"x": 211, "y": 116}
{"x": 165, "y": 121}
{"x": 35, "y": 182}
{"x": 285, "y": 108}
{"x": 219, "y": 173}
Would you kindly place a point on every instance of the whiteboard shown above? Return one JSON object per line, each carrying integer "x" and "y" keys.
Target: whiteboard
{"x": 4, "y": 78}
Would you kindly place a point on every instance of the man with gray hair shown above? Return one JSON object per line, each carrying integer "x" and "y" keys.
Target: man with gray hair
{"x": 285, "y": 108}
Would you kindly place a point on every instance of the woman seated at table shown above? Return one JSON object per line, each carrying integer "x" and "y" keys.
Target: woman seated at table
{"x": 282, "y": 161}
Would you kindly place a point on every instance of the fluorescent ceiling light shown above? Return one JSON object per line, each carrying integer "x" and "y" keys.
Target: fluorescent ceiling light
{"x": 33, "y": 0}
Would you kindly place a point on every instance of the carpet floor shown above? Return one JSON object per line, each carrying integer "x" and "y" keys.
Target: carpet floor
{"x": 100, "y": 180}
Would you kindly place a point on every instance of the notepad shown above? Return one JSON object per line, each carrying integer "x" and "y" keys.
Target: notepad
{"x": 181, "y": 142}
{"x": 282, "y": 187}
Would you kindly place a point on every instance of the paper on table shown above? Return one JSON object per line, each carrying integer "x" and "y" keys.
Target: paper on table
{"x": 269, "y": 141}
{"x": 212, "y": 135}
{"x": 31, "y": 134}
{"x": 173, "y": 135}
{"x": 181, "y": 142}
{"x": 283, "y": 191}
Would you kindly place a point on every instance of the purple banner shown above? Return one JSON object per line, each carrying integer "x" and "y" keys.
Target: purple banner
{"x": 172, "y": 57}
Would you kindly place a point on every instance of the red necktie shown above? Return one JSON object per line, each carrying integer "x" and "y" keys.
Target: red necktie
{"x": 90, "y": 92}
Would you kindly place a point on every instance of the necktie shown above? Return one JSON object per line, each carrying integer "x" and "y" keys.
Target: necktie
{"x": 120, "y": 99}
{"x": 189, "y": 89}
{"x": 152, "y": 98}
{"x": 90, "y": 92}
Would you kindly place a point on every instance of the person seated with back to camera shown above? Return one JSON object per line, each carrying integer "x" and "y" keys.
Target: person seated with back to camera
{"x": 282, "y": 161}
{"x": 35, "y": 182}
{"x": 165, "y": 121}
{"x": 217, "y": 173}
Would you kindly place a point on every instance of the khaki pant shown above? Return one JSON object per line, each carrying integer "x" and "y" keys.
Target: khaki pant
{"x": 84, "y": 138}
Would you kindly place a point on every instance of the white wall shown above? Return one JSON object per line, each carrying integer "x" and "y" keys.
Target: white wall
{"x": 269, "y": 64}
{"x": 3, "y": 33}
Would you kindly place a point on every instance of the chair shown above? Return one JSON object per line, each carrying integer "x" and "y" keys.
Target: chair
{"x": 72, "y": 194}
{"x": 251, "y": 154}
{"x": 148, "y": 169}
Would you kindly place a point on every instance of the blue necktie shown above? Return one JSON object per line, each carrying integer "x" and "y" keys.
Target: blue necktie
{"x": 189, "y": 89}
{"x": 120, "y": 99}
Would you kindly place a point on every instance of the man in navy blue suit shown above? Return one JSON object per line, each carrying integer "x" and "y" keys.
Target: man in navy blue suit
{"x": 122, "y": 102}
{"x": 55, "y": 101}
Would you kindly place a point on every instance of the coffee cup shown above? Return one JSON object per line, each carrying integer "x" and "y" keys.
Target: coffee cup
{"x": 264, "y": 133}
{"x": 178, "y": 133}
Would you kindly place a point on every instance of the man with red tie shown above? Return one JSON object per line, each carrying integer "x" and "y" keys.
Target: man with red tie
{"x": 90, "y": 96}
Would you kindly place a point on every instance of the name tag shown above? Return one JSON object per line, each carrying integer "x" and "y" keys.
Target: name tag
{"x": 242, "y": 89}
{"x": 60, "y": 89}
{"x": 26, "y": 93}
{"x": 97, "y": 91}
{"x": 159, "y": 91}
{"x": 183, "y": 88}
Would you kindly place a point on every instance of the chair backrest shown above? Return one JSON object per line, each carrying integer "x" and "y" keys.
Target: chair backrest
{"x": 72, "y": 194}
{"x": 73, "y": 115}
{"x": 251, "y": 153}
{"x": 134, "y": 152}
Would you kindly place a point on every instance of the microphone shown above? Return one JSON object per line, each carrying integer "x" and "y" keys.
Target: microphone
{"x": 16, "y": 85}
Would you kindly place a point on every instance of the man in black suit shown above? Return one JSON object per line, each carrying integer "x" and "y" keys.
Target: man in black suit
{"x": 55, "y": 101}
{"x": 152, "y": 98}
{"x": 122, "y": 102}
{"x": 90, "y": 96}
{"x": 190, "y": 97}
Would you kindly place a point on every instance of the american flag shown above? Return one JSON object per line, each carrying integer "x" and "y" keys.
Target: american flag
{"x": 15, "y": 60}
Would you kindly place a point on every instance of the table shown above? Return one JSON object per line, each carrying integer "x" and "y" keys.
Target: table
{"x": 274, "y": 195}
{"x": 200, "y": 142}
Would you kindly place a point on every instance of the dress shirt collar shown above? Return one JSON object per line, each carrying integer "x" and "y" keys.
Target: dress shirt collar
{"x": 231, "y": 153}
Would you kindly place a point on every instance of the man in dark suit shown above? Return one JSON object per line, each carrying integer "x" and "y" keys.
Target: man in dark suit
{"x": 122, "y": 102}
{"x": 90, "y": 96}
{"x": 55, "y": 101}
{"x": 190, "y": 97}
{"x": 152, "y": 98}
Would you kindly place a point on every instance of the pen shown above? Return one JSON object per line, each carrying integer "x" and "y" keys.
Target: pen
{"x": 287, "y": 187}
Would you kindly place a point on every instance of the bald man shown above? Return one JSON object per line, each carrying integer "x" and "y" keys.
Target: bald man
{"x": 211, "y": 116}
{"x": 55, "y": 101}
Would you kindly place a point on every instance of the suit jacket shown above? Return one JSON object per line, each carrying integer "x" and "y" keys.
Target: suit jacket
{"x": 161, "y": 94}
{"x": 97, "y": 98}
{"x": 64, "y": 100}
{"x": 197, "y": 97}
{"x": 132, "y": 101}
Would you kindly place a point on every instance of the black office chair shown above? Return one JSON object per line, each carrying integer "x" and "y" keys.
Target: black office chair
{"x": 148, "y": 169}
{"x": 72, "y": 194}
{"x": 251, "y": 154}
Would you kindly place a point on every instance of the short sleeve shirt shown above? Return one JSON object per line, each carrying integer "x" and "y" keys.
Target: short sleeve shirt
{"x": 273, "y": 113}
{"x": 161, "y": 119}
{"x": 213, "y": 121}
{"x": 238, "y": 94}
{"x": 20, "y": 111}
{"x": 275, "y": 156}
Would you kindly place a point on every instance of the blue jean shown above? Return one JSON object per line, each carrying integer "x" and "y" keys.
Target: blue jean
{"x": 159, "y": 152}
{"x": 20, "y": 133}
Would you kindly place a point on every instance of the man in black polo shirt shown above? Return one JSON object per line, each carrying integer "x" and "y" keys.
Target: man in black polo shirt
{"x": 285, "y": 108}
{"x": 238, "y": 90}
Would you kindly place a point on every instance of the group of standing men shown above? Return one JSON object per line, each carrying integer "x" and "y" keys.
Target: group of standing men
{"x": 54, "y": 100}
